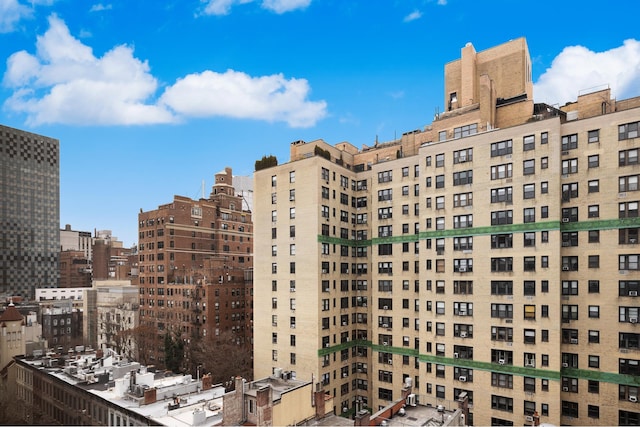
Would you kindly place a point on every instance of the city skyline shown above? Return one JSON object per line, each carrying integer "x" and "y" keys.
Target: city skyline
{"x": 313, "y": 70}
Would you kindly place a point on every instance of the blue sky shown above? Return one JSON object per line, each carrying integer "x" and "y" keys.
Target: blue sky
{"x": 149, "y": 98}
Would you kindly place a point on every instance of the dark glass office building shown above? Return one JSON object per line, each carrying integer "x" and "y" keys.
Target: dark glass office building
{"x": 29, "y": 212}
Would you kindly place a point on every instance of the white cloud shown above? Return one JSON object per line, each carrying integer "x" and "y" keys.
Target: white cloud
{"x": 11, "y": 12}
{"x": 238, "y": 95}
{"x": 99, "y": 7}
{"x": 442, "y": 2}
{"x": 223, "y": 7}
{"x": 577, "y": 68}
{"x": 282, "y": 6}
{"x": 416, "y": 14}
{"x": 218, "y": 7}
{"x": 64, "y": 82}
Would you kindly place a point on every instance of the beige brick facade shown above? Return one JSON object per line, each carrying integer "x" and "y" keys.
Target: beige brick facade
{"x": 494, "y": 252}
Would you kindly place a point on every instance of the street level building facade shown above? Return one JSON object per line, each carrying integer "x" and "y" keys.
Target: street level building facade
{"x": 29, "y": 212}
{"x": 493, "y": 253}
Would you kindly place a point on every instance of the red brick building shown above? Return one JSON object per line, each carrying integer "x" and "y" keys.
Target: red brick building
{"x": 195, "y": 267}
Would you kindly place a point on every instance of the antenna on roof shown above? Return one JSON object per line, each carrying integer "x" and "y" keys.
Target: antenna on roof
{"x": 203, "y": 188}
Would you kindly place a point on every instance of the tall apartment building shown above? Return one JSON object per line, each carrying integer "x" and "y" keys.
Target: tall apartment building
{"x": 29, "y": 212}
{"x": 195, "y": 266}
{"x": 493, "y": 253}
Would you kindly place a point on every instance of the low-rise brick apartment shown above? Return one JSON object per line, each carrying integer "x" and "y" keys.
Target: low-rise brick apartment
{"x": 494, "y": 253}
{"x": 195, "y": 267}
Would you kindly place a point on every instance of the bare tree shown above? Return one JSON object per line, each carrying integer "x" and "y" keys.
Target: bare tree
{"x": 223, "y": 357}
{"x": 143, "y": 338}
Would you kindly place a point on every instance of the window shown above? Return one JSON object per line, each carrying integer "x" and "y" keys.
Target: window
{"x": 628, "y": 210}
{"x": 570, "y": 142}
{"x": 385, "y": 176}
{"x": 569, "y": 191}
{"x": 528, "y": 142}
{"x": 440, "y": 181}
{"x": 405, "y": 171}
{"x": 502, "y": 217}
{"x": 570, "y": 214}
{"x": 569, "y": 312}
{"x": 628, "y": 183}
{"x": 462, "y": 156}
{"x": 569, "y": 166}
{"x": 569, "y": 409}
{"x": 628, "y": 131}
{"x": 500, "y": 241}
{"x": 463, "y": 265}
{"x": 529, "y": 215}
{"x": 569, "y": 287}
{"x": 594, "y": 261}
{"x": 529, "y": 312}
{"x": 529, "y": 239}
{"x": 529, "y": 191}
{"x": 594, "y": 186}
{"x": 628, "y": 157}
{"x": 529, "y": 263}
{"x": 628, "y": 262}
{"x": 501, "y": 148}
{"x": 499, "y": 333}
{"x": 594, "y": 361}
{"x": 463, "y": 221}
{"x": 463, "y": 131}
{"x": 501, "y": 403}
{"x": 459, "y": 200}
{"x": 502, "y": 171}
{"x": 501, "y": 264}
{"x": 504, "y": 194}
{"x": 501, "y": 287}
{"x": 544, "y": 162}
{"x": 502, "y": 311}
{"x": 439, "y": 160}
{"x": 593, "y": 161}
{"x": 461, "y": 178}
{"x": 385, "y": 195}
{"x": 529, "y": 167}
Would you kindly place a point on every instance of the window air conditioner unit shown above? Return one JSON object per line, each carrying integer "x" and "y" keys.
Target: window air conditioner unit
{"x": 565, "y": 388}
{"x": 501, "y": 362}
{"x": 344, "y": 375}
{"x": 633, "y": 399}
{"x": 462, "y": 379}
{"x": 565, "y": 365}
{"x": 462, "y": 269}
{"x": 633, "y": 241}
{"x": 565, "y": 219}
{"x": 530, "y": 364}
{"x": 455, "y": 355}
{"x": 390, "y": 362}
{"x": 327, "y": 345}
{"x": 574, "y": 340}
{"x": 463, "y": 334}
{"x": 385, "y": 325}
{"x": 565, "y": 268}
{"x": 565, "y": 244}
{"x": 528, "y": 419}
{"x": 385, "y": 343}
{"x": 292, "y": 289}
{"x": 633, "y": 293}
{"x": 324, "y": 271}
{"x": 344, "y": 323}
{"x": 633, "y": 320}
{"x": 386, "y": 307}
